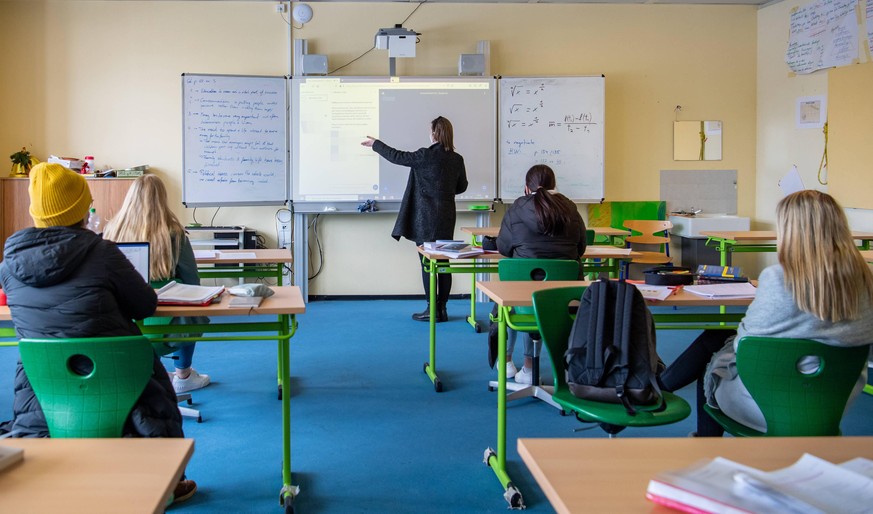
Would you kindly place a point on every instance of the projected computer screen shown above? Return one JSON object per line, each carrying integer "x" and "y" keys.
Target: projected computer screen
{"x": 332, "y": 115}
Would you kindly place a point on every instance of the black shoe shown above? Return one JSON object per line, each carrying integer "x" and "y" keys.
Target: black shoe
{"x": 442, "y": 315}
{"x": 423, "y": 315}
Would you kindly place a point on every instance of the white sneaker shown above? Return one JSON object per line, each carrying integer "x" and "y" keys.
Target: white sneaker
{"x": 194, "y": 381}
{"x": 524, "y": 376}
{"x": 511, "y": 370}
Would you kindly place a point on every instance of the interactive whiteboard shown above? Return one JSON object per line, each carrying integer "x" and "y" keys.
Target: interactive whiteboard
{"x": 556, "y": 121}
{"x": 234, "y": 140}
{"x": 332, "y": 115}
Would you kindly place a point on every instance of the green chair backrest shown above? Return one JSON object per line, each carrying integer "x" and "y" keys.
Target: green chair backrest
{"x": 793, "y": 403}
{"x": 537, "y": 269}
{"x": 552, "y": 309}
{"x": 82, "y": 403}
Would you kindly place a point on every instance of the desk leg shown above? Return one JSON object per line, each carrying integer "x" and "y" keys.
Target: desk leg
{"x": 430, "y": 366}
{"x": 472, "y": 318}
{"x": 497, "y": 460}
{"x": 289, "y": 492}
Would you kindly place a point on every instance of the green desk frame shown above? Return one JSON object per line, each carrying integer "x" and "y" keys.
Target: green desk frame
{"x": 281, "y": 330}
{"x": 725, "y": 247}
{"x": 496, "y": 460}
{"x": 434, "y": 265}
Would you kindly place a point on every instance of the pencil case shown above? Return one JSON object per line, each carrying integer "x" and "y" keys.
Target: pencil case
{"x": 668, "y": 276}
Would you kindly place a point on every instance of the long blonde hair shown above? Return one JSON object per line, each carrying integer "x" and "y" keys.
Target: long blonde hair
{"x": 145, "y": 215}
{"x": 824, "y": 271}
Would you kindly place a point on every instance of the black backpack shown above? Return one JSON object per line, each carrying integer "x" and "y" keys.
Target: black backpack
{"x": 611, "y": 355}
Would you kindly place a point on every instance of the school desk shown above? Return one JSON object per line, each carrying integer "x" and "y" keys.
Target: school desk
{"x": 435, "y": 263}
{"x": 256, "y": 263}
{"x": 519, "y": 294}
{"x": 867, "y": 255}
{"x": 615, "y": 236}
{"x": 611, "y": 475}
{"x": 728, "y": 241}
{"x": 285, "y": 304}
{"x": 121, "y": 475}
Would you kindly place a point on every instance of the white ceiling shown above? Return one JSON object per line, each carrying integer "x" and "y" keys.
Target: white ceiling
{"x": 613, "y": 2}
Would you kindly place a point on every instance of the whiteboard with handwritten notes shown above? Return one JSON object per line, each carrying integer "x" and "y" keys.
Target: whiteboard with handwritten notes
{"x": 558, "y": 121}
{"x": 234, "y": 140}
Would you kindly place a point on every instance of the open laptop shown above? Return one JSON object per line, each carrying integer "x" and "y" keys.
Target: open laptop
{"x": 138, "y": 255}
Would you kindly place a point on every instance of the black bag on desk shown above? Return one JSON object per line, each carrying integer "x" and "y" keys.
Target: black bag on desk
{"x": 611, "y": 356}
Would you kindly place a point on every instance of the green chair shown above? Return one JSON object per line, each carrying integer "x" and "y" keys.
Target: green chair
{"x": 794, "y": 403}
{"x": 87, "y": 387}
{"x": 555, "y": 319}
{"x": 522, "y": 319}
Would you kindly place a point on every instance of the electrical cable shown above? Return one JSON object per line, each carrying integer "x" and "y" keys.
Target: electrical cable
{"x": 194, "y": 216}
{"x": 212, "y": 221}
{"x": 314, "y": 226}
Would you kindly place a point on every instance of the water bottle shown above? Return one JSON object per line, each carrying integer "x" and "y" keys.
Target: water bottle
{"x": 88, "y": 167}
{"x": 94, "y": 223}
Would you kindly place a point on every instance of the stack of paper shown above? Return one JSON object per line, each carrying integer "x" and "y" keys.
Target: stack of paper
{"x": 175, "y": 293}
{"x": 725, "y": 290}
{"x": 453, "y": 249}
{"x": 651, "y": 292}
{"x": 809, "y": 486}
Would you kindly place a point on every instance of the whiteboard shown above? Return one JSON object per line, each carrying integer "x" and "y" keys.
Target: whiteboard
{"x": 558, "y": 121}
{"x": 330, "y": 116}
{"x": 234, "y": 140}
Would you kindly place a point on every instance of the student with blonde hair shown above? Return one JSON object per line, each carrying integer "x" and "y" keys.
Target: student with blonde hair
{"x": 145, "y": 215}
{"x": 822, "y": 289}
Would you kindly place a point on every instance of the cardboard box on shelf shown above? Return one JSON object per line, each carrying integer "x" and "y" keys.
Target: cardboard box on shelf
{"x": 69, "y": 162}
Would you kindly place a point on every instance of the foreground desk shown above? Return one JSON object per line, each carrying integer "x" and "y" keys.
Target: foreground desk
{"x": 284, "y": 304}
{"x": 93, "y": 475}
{"x": 616, "y": 472}
{"x": 519, "y": 294}
{"x": 867, "y": 255}
{"x": 728, "y": 241}
{"x": 256, "y": 263}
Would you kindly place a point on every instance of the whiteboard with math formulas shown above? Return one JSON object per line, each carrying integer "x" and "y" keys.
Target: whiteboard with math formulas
{"x": 558, "y": 121}
{"x": 234, "y": 140}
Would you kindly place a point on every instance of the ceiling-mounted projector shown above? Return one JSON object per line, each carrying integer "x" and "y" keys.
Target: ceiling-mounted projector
{"x": 398, "y": 41}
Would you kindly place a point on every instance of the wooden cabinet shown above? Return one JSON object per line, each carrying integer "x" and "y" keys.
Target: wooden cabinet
{"x": 108, "y": 195}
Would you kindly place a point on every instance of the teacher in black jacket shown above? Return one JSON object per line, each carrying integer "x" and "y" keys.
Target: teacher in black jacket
{"x": 427, "y": 211}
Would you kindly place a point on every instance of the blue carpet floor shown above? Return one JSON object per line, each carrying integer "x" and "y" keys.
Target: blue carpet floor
{"x": 369, "y": 434}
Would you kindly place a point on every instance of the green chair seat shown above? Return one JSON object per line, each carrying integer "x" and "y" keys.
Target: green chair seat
{"x": 78, "y": 402}
{"x": 794, "y": 403}
{"x": 555, "y": 318}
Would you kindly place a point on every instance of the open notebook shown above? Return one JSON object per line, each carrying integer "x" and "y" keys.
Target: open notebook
{"x": 138, "y": 255}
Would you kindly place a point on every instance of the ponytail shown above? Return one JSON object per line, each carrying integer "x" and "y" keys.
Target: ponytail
{"x": 553, "y": 209}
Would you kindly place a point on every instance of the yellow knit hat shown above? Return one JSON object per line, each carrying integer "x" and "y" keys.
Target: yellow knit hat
{"x": 58, "y": 196}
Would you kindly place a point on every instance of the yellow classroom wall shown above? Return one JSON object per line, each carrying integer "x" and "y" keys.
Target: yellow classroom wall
{"x": 781, "y": 143}
{"x": 103, "y": 78}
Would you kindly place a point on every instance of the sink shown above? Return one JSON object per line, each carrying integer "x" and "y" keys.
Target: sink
{"x": 692, "y": 226}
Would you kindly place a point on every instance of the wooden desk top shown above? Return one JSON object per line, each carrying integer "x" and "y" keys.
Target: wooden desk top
{"x": 287, "y": 300}
{"x": 867, "y": 255}
{"x": 611, "y": 475}
{"x": 262, "y": 256}
{"x": 93, "y": 475}
{"x": 493, "y": 231}
{"x": 766, "y": 235}
{"x": 518, "y": 294}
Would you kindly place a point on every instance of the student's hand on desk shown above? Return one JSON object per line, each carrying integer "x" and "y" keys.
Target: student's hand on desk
{"x": 368, "y": 142}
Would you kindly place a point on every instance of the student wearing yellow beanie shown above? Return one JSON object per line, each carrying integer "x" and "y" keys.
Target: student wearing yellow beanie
{"x": 63, "y": 281}
{"x": 58, "y": 196}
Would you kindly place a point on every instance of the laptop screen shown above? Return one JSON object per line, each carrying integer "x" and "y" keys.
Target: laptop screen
{"x": 138, "y": 255}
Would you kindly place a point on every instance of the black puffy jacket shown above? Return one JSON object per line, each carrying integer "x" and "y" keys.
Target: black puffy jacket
{"x": 521, "y": 234}
{"x": 68, "y": 282}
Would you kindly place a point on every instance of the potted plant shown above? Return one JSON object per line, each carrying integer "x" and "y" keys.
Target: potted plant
{"x": 22, "y": 162}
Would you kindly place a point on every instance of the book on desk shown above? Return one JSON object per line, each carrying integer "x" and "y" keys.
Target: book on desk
{"x": 453, "y": 249}
{"x": 810, "y": 485}
{"x": 175, "y": 293}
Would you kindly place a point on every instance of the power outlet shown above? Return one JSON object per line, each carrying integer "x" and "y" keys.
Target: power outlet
{"x": 281, "y": 8}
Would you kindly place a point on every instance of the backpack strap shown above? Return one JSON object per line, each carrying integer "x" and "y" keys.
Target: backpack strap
{"x": 594, "y": 360}
{"x": 621, "y": 340}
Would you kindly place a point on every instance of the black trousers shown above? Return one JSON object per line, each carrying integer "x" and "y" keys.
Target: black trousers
{"x": 444, "y": 284}
{"x": 690, "y": 367}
